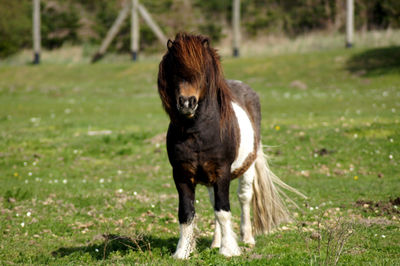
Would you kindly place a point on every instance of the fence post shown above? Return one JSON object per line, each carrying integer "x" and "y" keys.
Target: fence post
{"x": 123, "y": 14}
{"x": 36, "y": 32}
{"x": 134, "y": 30}
{"x": 152, "y": 24}
{"x": 236, "y": 26}
{"x": 349, "y": 23}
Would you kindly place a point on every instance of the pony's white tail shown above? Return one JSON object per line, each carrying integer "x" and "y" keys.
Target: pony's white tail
{"x": 268, "y": 208}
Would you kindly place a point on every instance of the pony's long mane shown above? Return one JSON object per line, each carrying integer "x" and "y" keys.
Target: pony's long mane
{"x": 191, "y": 58}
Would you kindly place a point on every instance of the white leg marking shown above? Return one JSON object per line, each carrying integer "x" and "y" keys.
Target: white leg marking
{"x": 246, "y": 145}
{"x": 187, "y": 242}
{"x": 229, "y": 246}
{"x": 245, "y": 194}
{"x": 216, "y": 242}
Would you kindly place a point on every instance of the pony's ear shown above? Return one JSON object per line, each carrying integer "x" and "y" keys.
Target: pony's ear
{"x": 169, "y": 44}
{"x": 205, "y": 43}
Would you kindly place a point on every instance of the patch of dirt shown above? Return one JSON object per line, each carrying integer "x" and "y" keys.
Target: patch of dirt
{"x": 298, "y": 84}
{"x": 374, "y": 221}
{"x": 390, "y": 207}
{"x": 157, "y": 139}
{"x": 323, "y": 151}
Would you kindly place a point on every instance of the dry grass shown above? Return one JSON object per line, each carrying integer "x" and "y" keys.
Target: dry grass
{"x": 260, "y": 46}
{"x": 316, "y": 41}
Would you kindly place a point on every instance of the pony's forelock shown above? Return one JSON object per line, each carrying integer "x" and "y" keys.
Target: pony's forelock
{"x": 191, "y": 57}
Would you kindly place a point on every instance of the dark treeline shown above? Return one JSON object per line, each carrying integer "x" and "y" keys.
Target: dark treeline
{"x": 79, "y": 21}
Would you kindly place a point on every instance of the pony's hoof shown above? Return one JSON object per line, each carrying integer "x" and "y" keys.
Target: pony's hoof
{"x": 249, "y": 241}
{"x": 180, "y": 256}
{"x": 230, "y": 251}
{"x": 216, "y": 244}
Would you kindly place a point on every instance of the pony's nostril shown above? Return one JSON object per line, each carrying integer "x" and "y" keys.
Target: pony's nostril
{"x": 192, "y": 102}
{"x": 181, "y": 101}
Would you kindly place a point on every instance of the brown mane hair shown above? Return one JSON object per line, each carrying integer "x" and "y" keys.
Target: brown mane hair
{"x": 191, "y": 58}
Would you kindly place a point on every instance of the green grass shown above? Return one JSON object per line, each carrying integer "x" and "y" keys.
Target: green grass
{"x": 84, "y": 176}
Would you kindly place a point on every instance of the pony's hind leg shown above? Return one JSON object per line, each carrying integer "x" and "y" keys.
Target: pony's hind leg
{"x": 216, "y": 242}
{"x": 245, "y": 194}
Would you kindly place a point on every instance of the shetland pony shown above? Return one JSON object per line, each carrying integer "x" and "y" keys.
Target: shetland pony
{"x": 213, "y": 138}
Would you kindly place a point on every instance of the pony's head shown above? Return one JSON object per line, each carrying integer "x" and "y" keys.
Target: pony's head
{"x": 189, "y": 74}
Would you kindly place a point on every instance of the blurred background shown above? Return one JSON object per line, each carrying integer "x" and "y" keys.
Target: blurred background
{"x": 84, "y": 174}
{"x": 266, "y": 26}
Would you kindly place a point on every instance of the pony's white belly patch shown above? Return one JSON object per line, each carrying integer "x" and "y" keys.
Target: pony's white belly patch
{"x": 246, "y": 145}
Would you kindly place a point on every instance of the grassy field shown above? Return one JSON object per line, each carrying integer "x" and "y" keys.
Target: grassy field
{"x": 84, "y": 176}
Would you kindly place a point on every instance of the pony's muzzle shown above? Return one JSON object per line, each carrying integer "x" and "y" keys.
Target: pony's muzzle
{"x": 187, "y": 105}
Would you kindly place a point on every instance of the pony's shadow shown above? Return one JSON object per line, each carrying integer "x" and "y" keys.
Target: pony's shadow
{"x": 139, "y": 243}
{"x": 376, "y": 61}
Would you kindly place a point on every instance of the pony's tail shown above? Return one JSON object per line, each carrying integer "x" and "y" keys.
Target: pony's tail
{"x": 268, "y": 208}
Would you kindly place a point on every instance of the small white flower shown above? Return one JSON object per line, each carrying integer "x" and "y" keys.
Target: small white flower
{"x": 355, "y": 136}
{"x": 391, "y": 140}
{"x": 311, "y": 208}
{"x": 75, "y": 151}
{"x": 37, "y": 179}
{"x": 34, "y": 163}
{"x": 17, "y": 214}
{"x": 25, "y": 163}
{"x": 35, "y": 119}
{"x": 26, "y": 181}
{"x": 65, "y": 181}
{"x": 22, "y": 224}
{"x": 383, "y": 236}
{"x": 97, "y": 250}
{"x": 67, "y": 111}
{"x": 120, "y": 190}
{"x": 152, "y": 205}
{"x": 316, "y": 207}
{"x": 197, "y": 201}
{"x": 28, "y": 214}
{"x": 101, "y": 180}
{"x": 376, "y": 235}
{"x": 393, "y": 110}
{"x": 135, "y": 193}
{"x": 390, "y": 156}
{"x": 55, "y": 180}
{"x": 30, "y": 173}
{"x": 119, "y": 172}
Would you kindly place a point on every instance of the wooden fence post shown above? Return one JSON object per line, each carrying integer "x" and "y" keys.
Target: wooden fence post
{"x": 236, "y": 27}
{"x": 36, "y": 31}
{"x": 135, "y": 7}
{"x": 154, "y": 27}
{"x": 123, "y": 14}
{"x": 349, "y": 23}
{"x": 134, "y": 30}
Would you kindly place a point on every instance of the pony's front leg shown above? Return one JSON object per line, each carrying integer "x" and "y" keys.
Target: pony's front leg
{"x": 187, "y": 241}
{"x": 229, "y": 246}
